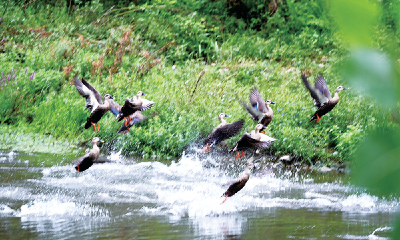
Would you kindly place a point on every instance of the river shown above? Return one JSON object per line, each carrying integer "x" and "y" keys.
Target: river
{"x": 131, "y": 199}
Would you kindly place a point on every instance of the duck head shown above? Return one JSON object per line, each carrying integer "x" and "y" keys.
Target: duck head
{"x": 96, "y": 140}
{"x": 260, "y": 128}
{"x": 268, "y": 102}
{"x": 340, "y": 88}
{"x": 107, "y": 97}
{"x": 222, "y": 115}
{"x": 140, "y": 93}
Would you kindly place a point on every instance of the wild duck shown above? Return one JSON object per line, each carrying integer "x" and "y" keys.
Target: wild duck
{"x": 137, "y": 103}
{"x": 222, "y": 131}
{"x": 94, "y": 103}
{"x": 321, "y": 96}
{"x": 86, "y": 161}
{"x": 237, "y": 184}
{"x": 259, "y": 110}
{"x": 137, "y": 117}
{"x": 253, "y": 139}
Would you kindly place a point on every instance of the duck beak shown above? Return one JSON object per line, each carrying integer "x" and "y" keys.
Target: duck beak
{"x": 345, "y": 88}
{"x": 143, "y": 94}
{"x": 101, "y": 141}
{"x": 263, "y": 129}
{"x": 272, "y": 102}
{"x": 111, "y": 97}
{"x": 227, "y": 115}
{"x": 256, "y": 167}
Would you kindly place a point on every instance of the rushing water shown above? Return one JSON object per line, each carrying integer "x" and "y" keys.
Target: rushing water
{"x": 127, "y": 199}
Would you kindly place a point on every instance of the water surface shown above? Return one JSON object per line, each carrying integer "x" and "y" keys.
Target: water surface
{"x": 129, "y": 199}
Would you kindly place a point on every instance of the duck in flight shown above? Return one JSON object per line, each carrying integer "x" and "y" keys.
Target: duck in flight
{"x": 259, "y": 110}
{"x": 221, "y": 132}
{"x": 321, "y": 96}
{"x": 94, "y": 103}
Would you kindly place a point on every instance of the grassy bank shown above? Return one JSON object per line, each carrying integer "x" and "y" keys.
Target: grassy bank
{"x": 124, "y": 49}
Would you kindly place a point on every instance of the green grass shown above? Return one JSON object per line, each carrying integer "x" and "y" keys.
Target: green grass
{"x": 234, "y": 58}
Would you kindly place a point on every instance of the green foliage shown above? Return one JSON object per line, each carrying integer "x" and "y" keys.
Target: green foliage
{"x": 375, "y": 72}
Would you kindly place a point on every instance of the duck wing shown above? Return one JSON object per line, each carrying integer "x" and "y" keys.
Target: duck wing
{"x": 265, "y": 141}
{"x": 146, "y": 104}
{"x": 316, "y": 94}
{"x": 84, "y": 162}
{"x": 115, "y": 108}
{"x": 254, "y": 113}
{"x": 129, "y": 108}
{"x": 235, "y": 186}
{"x": 95, "y": 92}
{"x": 320, "y": 84}
{"x": 224, "y": 132}
{"x": 91, "y": 102}
{"x": 137, "y": 117}
{"x": 246, "y": 141}
{"x": 257, "y": 101}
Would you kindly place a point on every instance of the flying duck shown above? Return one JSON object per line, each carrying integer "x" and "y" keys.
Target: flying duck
{"x": 321, "y": 96}
{"x": 259, "y": 110}
{"x": 221, "y": 132}
{"x": 94, "y": 103}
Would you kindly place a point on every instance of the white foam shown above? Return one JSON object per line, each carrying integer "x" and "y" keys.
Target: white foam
{"x": 57, "y": 208}
{"x": 6, "y": 210}
{"x": 188, "y": 188}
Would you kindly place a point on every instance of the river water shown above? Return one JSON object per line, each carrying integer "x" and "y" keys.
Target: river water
{"x": 129, "y": 199}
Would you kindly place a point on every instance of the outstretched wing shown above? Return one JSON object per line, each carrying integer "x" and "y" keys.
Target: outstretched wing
{"x": 255, "y": 114}
{"x": 257, "y": 101}
{"x": 91, "y": 102}
{"x": 115, "y": 108}
{"x": 318, "y": 97}
{"x": 224, "y": 132}
{"x": 95, "y": 92}
{"x": 146, "y": 104}
{"x": 265, "y": 141}
{"x": 320, "y": 84}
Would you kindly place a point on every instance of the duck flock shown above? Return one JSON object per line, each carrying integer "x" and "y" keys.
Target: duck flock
{"x": 260, "y": 111}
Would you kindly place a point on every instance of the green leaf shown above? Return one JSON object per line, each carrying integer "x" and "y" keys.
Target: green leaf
{"x": 372, "y": 72}
{"x": 355, "y": 19}
{"x": 377, "y": 165}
